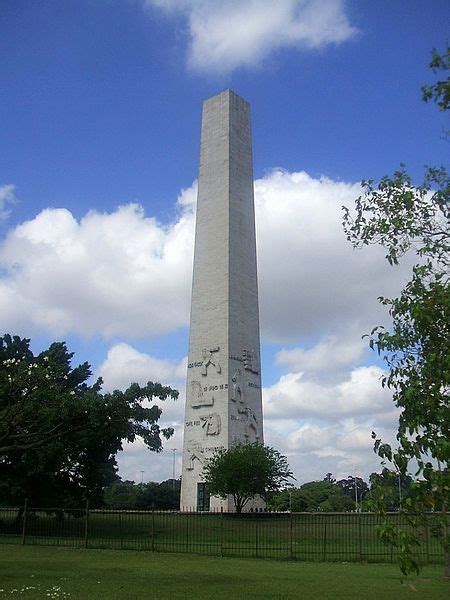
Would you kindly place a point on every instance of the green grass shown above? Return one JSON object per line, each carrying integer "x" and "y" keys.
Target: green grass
{"x": 49, "y": 572}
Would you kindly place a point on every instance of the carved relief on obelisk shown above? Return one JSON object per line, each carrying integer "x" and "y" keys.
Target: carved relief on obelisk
{"x": 223, "y": 391}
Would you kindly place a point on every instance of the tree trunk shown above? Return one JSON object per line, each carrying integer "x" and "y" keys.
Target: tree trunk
{"x": 238, "y": 504}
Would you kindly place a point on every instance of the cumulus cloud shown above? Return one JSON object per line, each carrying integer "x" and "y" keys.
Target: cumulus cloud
{"x": 136, "y": 458}
{"x": 294, "y": 396}
{"x": 7, "y": 197}
{"x": 242, "y": 33}
{"x": 320, "y": 427}
{"x": 303, "y": 255}
{"x": 323, "y": 422}
{"x": 124, "y": 364}
{"x": 124, "y": 274}
{"x": 119, "y": 273}
{"x": 340, "y": 444}
{"x": 329, "y": 355}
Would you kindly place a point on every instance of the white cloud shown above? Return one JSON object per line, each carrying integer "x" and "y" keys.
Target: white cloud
{"x": 329, "y": 355}
{"x": 324, "y": 422}
{"x": 125, "y": 274}
{"x": 124, "y": 365}
{"x": 136, "y": 458}
{"x": 320, "y": 427}
{"x": 294, "y": 396}
{"x": 242, "y": 33}
{"x": 116, "y": 274}
{"x": 342, "y": 447}
{"x": 312, "y": 283}
{"x": 7, "y": 197}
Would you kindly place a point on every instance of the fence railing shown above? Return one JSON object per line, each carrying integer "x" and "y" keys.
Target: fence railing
{"x": 296, "y": 536}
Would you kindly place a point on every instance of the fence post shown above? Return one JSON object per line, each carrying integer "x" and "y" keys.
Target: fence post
{"x": 221, "y": 530}
{"x": 256, "y": 537}
{"x": 153, "y": 529}
{"x": 86, "y": 524}
{"x": 121, "y": 530}
{"x": 290, "y": 536}
{"x": 324, "y": 539}
{"x": 427, "y": 540}
{"x": 189, "y": 512}
{"x": 24, "y": 521}
{"x": 360, "y": 537}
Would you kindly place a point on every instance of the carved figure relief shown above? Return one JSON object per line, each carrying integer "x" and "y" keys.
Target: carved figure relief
{"x": 236, "y": 394}
{"x": 195, "y": 452}
{"x": 210, "y": 360}
{"x": 211, "y": 424}
{"x": 198, "y": 399}
{"x": 250, "y": 421}
{"x": 250, "y": 360}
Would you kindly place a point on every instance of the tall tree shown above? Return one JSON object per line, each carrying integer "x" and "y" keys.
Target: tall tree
{"x": 151, "y": 495}
{"x": 404, "y": 217}
{"x": 246, "y": 471}
{"x": 388, "y": 490}
{"x": 354, "y": 487}
{"x": 59, "y": 435}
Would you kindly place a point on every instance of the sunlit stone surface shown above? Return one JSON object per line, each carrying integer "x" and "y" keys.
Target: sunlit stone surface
{"x": 223, "y": 396}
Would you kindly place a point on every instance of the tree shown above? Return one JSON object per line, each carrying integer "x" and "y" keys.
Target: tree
{"x": 314, "y": 496}
{"x": 121, "y": 495}
{"x": 292, "y": 499}
{"x": 439, "y": 91}
{"x": 388, "y": 490}
{"x": 354, "y": 487}
{"x": 246, "y": 471}
{"x": 151, "y": 495}
{"x": 404, "y": 217}
{"x": 58, "y": 435}
{"x": 161, "y": 496}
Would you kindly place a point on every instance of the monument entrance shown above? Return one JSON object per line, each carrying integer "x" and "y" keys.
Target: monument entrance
{"x": 203, "y": 497}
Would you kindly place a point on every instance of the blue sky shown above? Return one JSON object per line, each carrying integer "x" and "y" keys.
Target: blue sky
{"x": 100, "y": 106}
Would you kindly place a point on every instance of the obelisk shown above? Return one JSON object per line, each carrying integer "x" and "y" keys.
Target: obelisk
{"x": 223, "y": 394}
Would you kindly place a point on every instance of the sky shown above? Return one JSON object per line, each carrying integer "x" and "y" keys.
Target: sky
{"x": 100, "y": 108}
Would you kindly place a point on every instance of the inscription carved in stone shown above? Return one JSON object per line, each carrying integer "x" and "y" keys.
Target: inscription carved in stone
{"x": 236, "y": 394}
{"x": 209, "y": 359}
{"x": 250, "y": 363}
{"x": 195, "y": 452}
{"x": 211, "y": 424}
{"x": 198, "y": 399}
{"x": 250, "y": 421}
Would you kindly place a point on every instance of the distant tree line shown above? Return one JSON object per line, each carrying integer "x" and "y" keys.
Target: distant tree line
{"x": 328, "y": 495}
{"x": 346, "y": 495}
{"x": 128, "y": 495}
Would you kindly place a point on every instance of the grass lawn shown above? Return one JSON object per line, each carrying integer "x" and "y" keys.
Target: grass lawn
{"x": 49, "y": 572}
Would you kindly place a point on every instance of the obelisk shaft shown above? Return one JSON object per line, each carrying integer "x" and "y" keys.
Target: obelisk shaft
{"x": 223, "y": 395}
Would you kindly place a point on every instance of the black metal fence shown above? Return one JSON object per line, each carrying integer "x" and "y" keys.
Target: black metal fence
{"x": 296, "y": 536}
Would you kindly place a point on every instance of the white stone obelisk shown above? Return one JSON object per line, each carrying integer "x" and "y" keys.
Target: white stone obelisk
{"x": 223, "y": 394}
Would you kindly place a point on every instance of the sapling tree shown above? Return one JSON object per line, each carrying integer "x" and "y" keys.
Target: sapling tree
{"x": 246, "y": 471}
{"x": 405, "y": 217}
